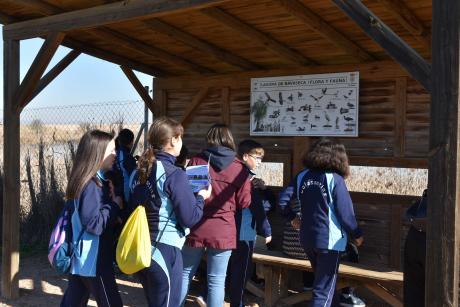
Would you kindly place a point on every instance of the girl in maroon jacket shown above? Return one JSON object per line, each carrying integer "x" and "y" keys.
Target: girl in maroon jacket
{"x": 215, "y": 234}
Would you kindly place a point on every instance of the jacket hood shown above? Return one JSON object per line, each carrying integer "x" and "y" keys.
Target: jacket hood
{"x": 221, "y": 156}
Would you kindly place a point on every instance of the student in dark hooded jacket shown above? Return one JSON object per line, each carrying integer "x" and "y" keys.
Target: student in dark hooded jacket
{"x": 215, "y": 234}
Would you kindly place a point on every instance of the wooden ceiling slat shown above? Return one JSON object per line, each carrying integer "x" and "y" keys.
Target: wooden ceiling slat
{"x": 408, "y": 20}
{"x": 102, "y": 15}
{"x": 297, "y": 9}
{"x": 252, "y": 33}
{"x": 191, "y": 40}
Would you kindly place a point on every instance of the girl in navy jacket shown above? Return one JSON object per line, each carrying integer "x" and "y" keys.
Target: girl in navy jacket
{"x": 171, "y": 208}
{"x": 98, "y": 207}
{"x": 327, "y": 218}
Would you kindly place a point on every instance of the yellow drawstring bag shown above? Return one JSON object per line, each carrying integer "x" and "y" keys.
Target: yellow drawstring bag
{"x": 134, "y": 249}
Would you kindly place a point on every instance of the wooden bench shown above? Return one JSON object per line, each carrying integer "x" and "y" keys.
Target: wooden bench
{"x": 283, "y": 274}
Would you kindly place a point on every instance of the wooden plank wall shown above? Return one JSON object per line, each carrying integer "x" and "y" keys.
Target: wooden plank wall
{"x": 393, "y": 113}
{"x": 380, "y": 216}
{"x": 393, "y": 131}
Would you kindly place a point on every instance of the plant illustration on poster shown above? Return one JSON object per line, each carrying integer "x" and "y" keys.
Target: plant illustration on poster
{"x": 313, "y": 105}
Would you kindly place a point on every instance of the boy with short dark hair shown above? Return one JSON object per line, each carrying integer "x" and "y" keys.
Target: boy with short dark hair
{"x": 250, "y": 222}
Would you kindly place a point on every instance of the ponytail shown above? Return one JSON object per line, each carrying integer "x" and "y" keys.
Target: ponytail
{"x": 145, "y": 164}
{"x": 160, "y": 133}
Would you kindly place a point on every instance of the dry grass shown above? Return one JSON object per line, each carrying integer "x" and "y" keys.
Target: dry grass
{"x": 401, "y": 181}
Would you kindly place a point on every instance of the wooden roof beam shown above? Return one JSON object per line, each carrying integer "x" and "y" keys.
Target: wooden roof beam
{"x": 408, "y": 20}
{"x": 106, "y": 33}
{"x": 102, "y": 15}
{"x": 197, "y": 43}
{"x": 41, "y": 61}
{"x": 402, "y": 53}
{"x": 253, "y": 34}
{"x": 138, "y": 87}
{"x": 322, "y": 27}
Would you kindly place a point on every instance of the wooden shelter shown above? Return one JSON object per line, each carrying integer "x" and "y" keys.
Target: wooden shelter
{"x": 203, "y": 54}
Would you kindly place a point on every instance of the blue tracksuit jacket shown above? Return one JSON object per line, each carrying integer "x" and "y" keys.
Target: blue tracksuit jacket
{"x": 326, "y": 207}
{"x": 171, "y": 206}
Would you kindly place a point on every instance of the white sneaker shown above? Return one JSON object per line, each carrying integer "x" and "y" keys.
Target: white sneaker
{"x": 200, "y": 301}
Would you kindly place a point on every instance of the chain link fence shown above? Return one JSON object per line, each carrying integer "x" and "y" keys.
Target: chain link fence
{"x": 49, "y": 138}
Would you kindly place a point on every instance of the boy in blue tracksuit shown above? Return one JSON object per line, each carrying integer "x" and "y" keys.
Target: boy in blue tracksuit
{"x": 327, "y": 217}
{"x": 171, "y": 209}
{"x": 124, "y": 164}
{"x": 249, "y": 222}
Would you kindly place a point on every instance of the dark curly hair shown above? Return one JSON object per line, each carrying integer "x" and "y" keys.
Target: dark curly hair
{"x": 327, "y": 155}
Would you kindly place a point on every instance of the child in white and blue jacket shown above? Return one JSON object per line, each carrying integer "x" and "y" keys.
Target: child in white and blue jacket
{"x": 171, "y": 208}
{"x": 327, "y": 218}
{"x": 249, "y": 222}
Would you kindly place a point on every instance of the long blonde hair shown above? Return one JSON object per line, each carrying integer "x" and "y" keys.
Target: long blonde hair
{"x": 88, "y": 160}
{"x": 162, "y": 130}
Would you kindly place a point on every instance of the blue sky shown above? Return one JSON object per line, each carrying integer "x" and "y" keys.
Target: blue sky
{"x": 87, "y": 80}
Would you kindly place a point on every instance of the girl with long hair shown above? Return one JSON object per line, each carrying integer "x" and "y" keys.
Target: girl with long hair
{"x": 327, "y": 218}
{"x": 171, "y": 208}
{"x": 215, "y": 234}
{"x": 97, "y": 208}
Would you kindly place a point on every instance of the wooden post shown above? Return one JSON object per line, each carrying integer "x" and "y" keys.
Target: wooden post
{"x": 442, "y": 256}
{"x": 11, "y": 183}
{"x": 300, "y": 146}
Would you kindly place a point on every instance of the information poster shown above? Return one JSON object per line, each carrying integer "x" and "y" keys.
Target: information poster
{"x": 308, "y": 105}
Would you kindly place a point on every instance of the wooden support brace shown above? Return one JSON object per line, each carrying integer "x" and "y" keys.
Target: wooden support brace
{"x": 197, "y": 100}
{"x": 407, "y": 57}
{"x": 54, "y": 72}
{"x": 140, "y": 89}
{"x": 41, "y": 61}
{"x": 384, "y": 294}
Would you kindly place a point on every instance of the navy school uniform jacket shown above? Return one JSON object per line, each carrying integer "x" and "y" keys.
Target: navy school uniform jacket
{"x": 98, "y": 213}
{"x": 171, "y": 206}
{"x": 123, "y": 166}
{"x": 253, "y": 220}
{"x": 326, "y": 207}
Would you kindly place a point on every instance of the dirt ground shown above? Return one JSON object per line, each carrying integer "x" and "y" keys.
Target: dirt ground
{"x": 41, "y": 286}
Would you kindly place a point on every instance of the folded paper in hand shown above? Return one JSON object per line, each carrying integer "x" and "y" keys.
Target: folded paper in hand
{"x": 198, "y": 177}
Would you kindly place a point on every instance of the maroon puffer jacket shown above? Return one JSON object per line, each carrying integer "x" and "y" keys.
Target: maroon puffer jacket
{"x": 231, "y": 190}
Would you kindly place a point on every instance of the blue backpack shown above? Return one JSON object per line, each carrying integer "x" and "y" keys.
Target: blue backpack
{"x": 60, "y": 247}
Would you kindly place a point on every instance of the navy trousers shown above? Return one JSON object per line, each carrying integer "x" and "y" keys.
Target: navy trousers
{"x": 241, "y": 270}
{"x": 325, "y": 264}
{"x": 102, "y": 287}
{"x": 162, "y": 281}
{"x": 414, "y": 268}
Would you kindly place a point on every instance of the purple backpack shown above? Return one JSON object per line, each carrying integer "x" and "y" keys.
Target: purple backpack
{"x": 60, "y": 247}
